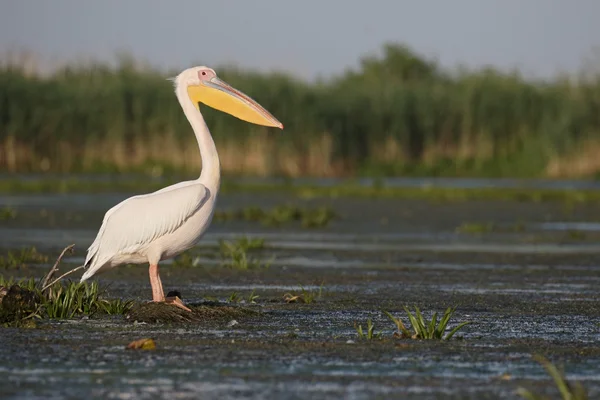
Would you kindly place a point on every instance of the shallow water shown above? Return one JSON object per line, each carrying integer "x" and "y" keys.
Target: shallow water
{"x": 406, "y": 182}
{"x": 536, "y": 290}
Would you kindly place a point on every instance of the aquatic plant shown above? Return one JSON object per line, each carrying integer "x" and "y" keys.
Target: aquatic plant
{"x": 305, "y": 296}
{"x": 568, "y": 390}
{"x": 243, "y": 243}
{"x": 26, "y": 283}
{"x": 59, "y": 301}
{"x": 370, "y": 333}
{"x": 236, "y": 254}
{"x": 252, "y": 297}
{"x": 236, "y": 298}
{"x": 486, "y": 227}
{"x": 308, "y": 217}
{"x": 476, "y": 228}
{"x": 7, "y": 213}
{"x": 27, "y": 299}
{"x": 432, "y": 330}
{"x": 347, "y": 189}
{"x": 65, "y": 301}
{"x": 19, "y": 259}
{"x": 233, "y": 297}
{"x": 188, "y": 258}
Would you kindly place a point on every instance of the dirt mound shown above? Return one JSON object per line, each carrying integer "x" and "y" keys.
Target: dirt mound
{"x": 165, "y": 313}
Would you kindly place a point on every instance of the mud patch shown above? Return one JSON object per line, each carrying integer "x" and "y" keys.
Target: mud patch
{"x": 161, "y": 313}
{"x": 17, "y": 304}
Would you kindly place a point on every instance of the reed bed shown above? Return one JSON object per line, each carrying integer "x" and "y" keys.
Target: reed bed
{"x": 397, "y": 113}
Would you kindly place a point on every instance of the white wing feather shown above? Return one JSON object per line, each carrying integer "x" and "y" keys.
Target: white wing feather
{"x": 137, "y": 221}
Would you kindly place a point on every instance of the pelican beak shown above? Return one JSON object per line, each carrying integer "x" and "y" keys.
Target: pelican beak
{"x": 219, "y": 95}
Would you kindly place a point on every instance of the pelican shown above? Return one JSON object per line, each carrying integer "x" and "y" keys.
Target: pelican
{"x": 150, "y": 228}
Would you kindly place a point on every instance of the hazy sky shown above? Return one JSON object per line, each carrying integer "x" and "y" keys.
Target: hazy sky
{"x": 306, "y": 37}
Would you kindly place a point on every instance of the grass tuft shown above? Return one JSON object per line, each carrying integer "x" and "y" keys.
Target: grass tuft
{"x": 567, "y": 390}
{"x": 236, "y": 254}
{"x": 66, "y": 301}
{"x": 370, "y": 333}
{"x": 7, "y": 213}
{"x": 23, "y": 300}
{"x": 425, "y": 330}
{"x": 305, "y": 296}
{"x": 19, "y": 259}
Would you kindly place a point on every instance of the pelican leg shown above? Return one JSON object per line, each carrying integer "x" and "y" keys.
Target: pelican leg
{"x": 157, "y": 289}
{"x": 158, "y": 295}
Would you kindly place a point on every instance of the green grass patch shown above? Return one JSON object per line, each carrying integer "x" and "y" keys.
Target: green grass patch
{"x": 475, "y": 228}
{"x": 308, "y": 218}
{"x": 304, "y": 295}
{"x": 344, "y": 189}
{"x": 479, "y": 228}
{"x": 370, "y": 333}
{"x": 235, "y": 297}
{"x": 23, "y": 301}
{"x": 22, "y": 258}
{"x": 7, "y": 213}
{"x": 237, "y": 254}
{"x": 423, "y": 329}
{"x": 397, "y": 112}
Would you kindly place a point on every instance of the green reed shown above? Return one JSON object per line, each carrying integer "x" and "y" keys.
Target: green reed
{"x": 397, "y": 113}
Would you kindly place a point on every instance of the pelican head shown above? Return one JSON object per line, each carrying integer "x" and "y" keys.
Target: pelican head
{"x": 203, "y": 86}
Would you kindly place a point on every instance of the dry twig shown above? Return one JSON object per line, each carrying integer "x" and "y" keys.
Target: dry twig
{"x": 54, "y": 268}
{"x": 62, "y": 276}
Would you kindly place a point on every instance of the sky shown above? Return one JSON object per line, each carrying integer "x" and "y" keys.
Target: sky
{"x": 308, "y": 38}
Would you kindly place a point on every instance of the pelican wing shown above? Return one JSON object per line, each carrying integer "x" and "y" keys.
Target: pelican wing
{"x": 137, "y": 221}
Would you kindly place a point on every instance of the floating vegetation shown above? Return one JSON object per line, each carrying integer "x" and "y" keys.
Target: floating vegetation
{"x": 575, "y": 235}
{"x": 236, "y": 254}
{"x": 475, "y": 228}
{"x": 486, "y": 227}
{"x": 342, "y": 189}
{"x": 305, "y": 296}
{"x": 432, "y": 330}
{"x": 567, "y": 390}
{"x": 308, "y": 217}
{"x": 7, "y": 213}
{"x": 370, "y": 333}
{"x": 19, "y": 259}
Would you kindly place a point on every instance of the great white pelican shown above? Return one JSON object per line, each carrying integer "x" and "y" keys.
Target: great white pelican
{"x": 163, "y": 224}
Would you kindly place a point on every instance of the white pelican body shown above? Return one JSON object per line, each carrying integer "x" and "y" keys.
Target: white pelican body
{"x": 163, "y": 224}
